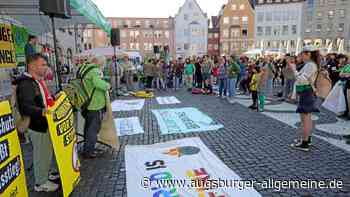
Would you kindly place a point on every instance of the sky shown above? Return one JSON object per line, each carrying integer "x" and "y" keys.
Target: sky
{"x": 152, "y": 8}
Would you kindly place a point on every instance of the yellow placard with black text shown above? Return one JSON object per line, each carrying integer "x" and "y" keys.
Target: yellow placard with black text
{"x": 64, "y": 140}
{"x": 12, "y": 177}
{"x": 7, "y": 47}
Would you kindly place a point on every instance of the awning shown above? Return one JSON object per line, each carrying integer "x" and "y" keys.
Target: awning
{"x": 28, "y": 14}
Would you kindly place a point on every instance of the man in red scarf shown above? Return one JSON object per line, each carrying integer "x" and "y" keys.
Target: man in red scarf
{"x": 34, "y": 99}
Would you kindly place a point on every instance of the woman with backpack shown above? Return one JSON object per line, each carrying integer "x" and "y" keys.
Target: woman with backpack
{"x": 305, "y": 88}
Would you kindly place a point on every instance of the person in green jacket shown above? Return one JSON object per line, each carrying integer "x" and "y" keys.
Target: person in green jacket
{"x": 97, "y": 88}
{"x": 189, "y": 71}
{"x": 233, "y": 72}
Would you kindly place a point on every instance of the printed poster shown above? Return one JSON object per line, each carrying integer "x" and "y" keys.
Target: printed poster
{"x": 128, "y": 105}
{"x": 198, "y": 172}
{"x": 64, "y": 140}
{"x": 12, "y": 177}
{"x": 128, "y": 126}
{"x": 7, "y": 47}
{"x": 184, "y": 120}
{"x": 167, "y": 100}
{"x": 20, "y": 36}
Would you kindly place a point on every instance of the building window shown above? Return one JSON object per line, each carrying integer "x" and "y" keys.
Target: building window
{"x": 276, "y": 30}
{"x": 318, "y": 27}
{"x": 294, "y": 29}
{"x": 185, "y": 17}
{"x": 259, "y": 31}
{"x": 307, "y": 30}
{"x": 245, "y": 20}
{"x": 235, "y": 20}
{"x": 277, "y": 16}
{"x": 268, "y": 16}
{"x": 319, "y": 14}
{"x": 225, "y": 33}
{"x": 242, "y": 7}
{"x": 233, "y": 7}
{"x": 268, "y": 30}
{"x": 137, "y": 46}
{"x": 260, "y": 16}
{"x": 285, "y": 30}
{"x": 234, "y": 32}
{"x": 226, "y": 20}
{"x": 216, "y": 46}
{"x": 210, "y": 46}
{"x": 331, "y": 14}
{"x": 244, "y": 32}
{"x": 342, "y": 13}
{"x": 186, "y": 46}
{"x": 225, "y": 46}
{"x": 341, "y": 27}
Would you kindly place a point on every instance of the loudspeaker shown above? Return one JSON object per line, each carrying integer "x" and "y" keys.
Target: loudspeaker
{"x": 57, "y": 8}
{"x": 155, "y": 49}
{"x": 115, "y": 37}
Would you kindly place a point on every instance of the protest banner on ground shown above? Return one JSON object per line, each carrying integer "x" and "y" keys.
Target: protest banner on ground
{"x": 183, "y": 167}
{"x": 128, "y": 126}
{"x": 184, "y": 120}
{"x": 167, "y": 100}
{"x": 64, "y": 140}
{"x": 128, "y": 105}
{"x": 7, "y": 47}
{"x": 12, "y": 177}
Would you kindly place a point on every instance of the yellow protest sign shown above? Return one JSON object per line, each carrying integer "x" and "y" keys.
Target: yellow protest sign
{"x": 7, "y": 47}
{"x": 12, "y": 177}
{"x": 64, "y": 141}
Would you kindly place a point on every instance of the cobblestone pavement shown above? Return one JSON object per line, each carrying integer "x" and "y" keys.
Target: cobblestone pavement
{"x": 254, "y": 145}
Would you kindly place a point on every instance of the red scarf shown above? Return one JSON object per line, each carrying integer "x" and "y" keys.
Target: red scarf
{"x": 49, "y": 100}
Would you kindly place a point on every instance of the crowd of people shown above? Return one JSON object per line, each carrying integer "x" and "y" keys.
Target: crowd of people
{"x": 301, "y": 79}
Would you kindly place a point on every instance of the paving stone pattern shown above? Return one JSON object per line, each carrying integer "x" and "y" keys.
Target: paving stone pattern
{"x": 252, "y": 144}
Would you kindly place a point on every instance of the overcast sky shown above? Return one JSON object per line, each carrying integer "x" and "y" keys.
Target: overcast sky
{"x": 152, "y": 8}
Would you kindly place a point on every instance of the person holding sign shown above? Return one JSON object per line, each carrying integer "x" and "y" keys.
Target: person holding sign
{"x": 97, "y": 88}
{"x": 33, "y": 99}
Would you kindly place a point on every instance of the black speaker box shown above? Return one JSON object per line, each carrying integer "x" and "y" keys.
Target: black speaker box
{"x": 56, "y": 8}
{"x": 115, "y": 37}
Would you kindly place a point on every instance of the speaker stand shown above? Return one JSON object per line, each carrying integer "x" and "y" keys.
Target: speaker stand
{"x": 57, "y": 71}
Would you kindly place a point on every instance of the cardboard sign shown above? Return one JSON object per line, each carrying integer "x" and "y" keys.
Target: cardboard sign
{"x": 64, "y": 141}
{"x": 12, "y": 177}
{"x": 7, "y": 47}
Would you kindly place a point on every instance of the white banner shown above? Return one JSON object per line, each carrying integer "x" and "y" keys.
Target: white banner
{"x": 127, "y": 105}
{"x": 183, "y": 167}
{"x": 128, "y": 126}
{"x": 167, "y": 100}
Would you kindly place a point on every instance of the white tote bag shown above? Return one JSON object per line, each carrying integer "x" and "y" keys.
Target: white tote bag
{"x": 335, "y": 101}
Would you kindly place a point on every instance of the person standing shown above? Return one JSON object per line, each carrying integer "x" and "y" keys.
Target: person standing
{"x": 178, "y": 72}
{"x": 254, "y": 87}
{"x": 148, "y": 72}
{"x": 198, "y": 74}
{"x": 128, "y": 69}
{"x": 233, "y": 72}
{"x": 97, "y": 89}
{"x": 222, "y": 77}
{"x": 207, "y": 70}
{"x": 34, "y": 99}
{"x": 270, "y": 76}
{"x": 262, "y": 88}
{"x": 305, "y": 88}
{"x": 189, "y": 71}
{"x": 289, "y": 78}
{"x": 30, "y": 47}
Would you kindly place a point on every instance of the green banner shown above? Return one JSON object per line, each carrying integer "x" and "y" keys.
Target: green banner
{"x": 88, "y": 9}
{"x": 20, "y": 35}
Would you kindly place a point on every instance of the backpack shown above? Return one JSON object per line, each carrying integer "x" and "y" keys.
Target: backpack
{"x": 76, "y": 89}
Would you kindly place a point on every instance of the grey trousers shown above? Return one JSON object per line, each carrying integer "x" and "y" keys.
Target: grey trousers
{"x": 93, "y": 121}
{"x": 43, "y": 156}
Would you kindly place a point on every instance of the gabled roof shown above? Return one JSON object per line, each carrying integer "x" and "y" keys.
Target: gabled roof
{"x": 196, "y": 3}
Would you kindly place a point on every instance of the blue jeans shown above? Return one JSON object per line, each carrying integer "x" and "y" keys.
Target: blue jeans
{"x": 177, "y": 82}
{"x": 288, "y": 87}
{"x": 222, "y": 86}
{"x": 232, "y": 87}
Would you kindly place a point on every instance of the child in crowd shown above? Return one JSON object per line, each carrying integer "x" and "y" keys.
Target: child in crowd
{"x": 262, "y": 80}
{"x": 254, "y": 87}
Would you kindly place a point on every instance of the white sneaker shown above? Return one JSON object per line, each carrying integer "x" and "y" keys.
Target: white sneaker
{"x": 223, "y": 97}
{"x": 46, "y": 187}
{"x": 53, "y": 176}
